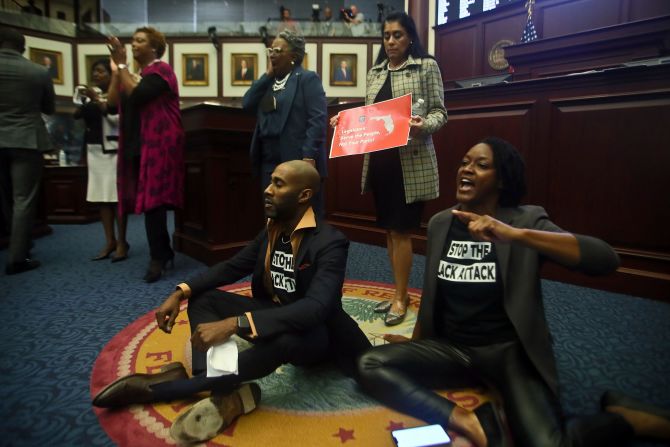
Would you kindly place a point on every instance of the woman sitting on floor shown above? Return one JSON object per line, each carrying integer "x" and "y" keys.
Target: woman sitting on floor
{"x": 482, "y": 319}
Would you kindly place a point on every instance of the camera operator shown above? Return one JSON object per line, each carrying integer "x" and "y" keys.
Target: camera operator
{"x": 354, "y": 19}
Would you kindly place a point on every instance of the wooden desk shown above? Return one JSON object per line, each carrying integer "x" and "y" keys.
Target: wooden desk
{"x": 64, "y": 192}
{"x": 223, "y": 208}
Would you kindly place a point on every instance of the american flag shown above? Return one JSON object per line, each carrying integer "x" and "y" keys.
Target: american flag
{"x": 529, "y": 33}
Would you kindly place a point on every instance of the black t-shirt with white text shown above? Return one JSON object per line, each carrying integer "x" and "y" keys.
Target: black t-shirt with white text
{"x": 281, "y": 270}
{"x": 470, "y": 291}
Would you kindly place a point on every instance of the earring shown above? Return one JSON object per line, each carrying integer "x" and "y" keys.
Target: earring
{"x": 292, "y": 63}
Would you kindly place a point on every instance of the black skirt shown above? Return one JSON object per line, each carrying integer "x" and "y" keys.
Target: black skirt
{"x": 385, "y": 180}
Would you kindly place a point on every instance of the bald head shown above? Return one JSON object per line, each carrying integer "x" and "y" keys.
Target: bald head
{"x": 292, "y": 186}
{"x": 303, "y": 174}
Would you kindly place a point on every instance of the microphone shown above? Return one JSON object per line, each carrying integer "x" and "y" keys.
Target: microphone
{"x": 263, "y": 31}
{"x": 211, "y": 31}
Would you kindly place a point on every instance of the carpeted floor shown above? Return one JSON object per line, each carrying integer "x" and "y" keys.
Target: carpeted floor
{"x": 58, "y": 318}
{"x": 322, "y": 406}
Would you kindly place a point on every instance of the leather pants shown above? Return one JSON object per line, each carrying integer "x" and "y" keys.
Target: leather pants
{"x": 403, "y": 375}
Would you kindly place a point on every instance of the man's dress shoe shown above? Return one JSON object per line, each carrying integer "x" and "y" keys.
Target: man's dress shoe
{"x": 136, "y": 388}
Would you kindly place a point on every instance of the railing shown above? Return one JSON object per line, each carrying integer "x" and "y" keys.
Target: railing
{"x": 242, "y": 29}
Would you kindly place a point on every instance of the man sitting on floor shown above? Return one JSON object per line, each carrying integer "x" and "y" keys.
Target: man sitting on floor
{"x": 295, "y": 316}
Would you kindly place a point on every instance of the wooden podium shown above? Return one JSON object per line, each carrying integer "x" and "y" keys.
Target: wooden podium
{"x": 223, "y": 207}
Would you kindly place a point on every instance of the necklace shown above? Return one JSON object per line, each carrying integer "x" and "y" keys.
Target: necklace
{"x": 282, "y": 239}
{"x": 399, "y": 67}
{"x": 280, "y": 83}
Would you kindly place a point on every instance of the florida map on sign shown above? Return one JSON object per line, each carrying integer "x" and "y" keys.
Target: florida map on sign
{"x": 379, "y": 126}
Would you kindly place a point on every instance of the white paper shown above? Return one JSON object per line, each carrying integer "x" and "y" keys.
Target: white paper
{"x": 222, "y": 359}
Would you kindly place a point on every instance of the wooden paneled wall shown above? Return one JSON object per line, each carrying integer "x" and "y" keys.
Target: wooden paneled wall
{"x": 597, "y": 147}
{"x": 462, "y": 47}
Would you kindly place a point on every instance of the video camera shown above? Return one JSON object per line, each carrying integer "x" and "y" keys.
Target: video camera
{"x": 346, "y": 12}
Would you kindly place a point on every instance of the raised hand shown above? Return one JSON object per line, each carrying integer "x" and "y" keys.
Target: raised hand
{"x": 117, "y": 50}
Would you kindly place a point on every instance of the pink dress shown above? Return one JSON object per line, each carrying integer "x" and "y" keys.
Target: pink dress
{"x": 160, "y": 180}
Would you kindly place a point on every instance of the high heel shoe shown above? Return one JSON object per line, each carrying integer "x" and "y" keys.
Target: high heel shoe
{"x": 395, "y": 318}
{"x": 382, "y": 307}
{"x": 104, "y": 254}
{"x": 157, "y": 268}
{"x": 121, "y": 255}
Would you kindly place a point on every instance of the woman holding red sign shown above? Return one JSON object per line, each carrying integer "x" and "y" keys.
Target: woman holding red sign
{"x": 403, "y": 178}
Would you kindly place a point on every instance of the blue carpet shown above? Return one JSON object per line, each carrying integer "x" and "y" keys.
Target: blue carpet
{"x": 58, "y": 317}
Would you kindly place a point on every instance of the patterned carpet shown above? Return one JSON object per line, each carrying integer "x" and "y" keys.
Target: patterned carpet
{"x": 58, "y": 318}
{"x": 322, "y": 407}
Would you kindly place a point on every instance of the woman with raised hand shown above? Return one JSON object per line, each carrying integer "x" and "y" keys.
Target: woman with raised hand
{"x": 290, "y": 107}
{"x": 481, "y": 320}
{"x": 151, "y": 143}
{"x": 101, "y": 143}
{"x": 402, "y": 179}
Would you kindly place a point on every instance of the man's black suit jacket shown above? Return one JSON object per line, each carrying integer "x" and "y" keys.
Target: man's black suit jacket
{"x": 319, "y": 265}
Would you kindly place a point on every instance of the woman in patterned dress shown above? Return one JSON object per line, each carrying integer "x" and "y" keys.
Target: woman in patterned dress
{"x": 151, "y": 146}
{"x": 402, "y": 179}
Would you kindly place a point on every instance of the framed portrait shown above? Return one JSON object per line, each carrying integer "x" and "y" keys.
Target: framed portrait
{"x": 89, "y": 60}
{"x": 52, "y": 60}
{"x": 195, "y": 69}
{"x": 343, "y": 69}
{"x": 244, "y": 68}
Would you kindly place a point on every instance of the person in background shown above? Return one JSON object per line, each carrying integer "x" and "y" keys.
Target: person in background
{"x": 297, "y": 266}
{"x": 150, "y": 167}
{"x": 481, "y": 319}
{"x": 403, "y": 178}
{"x": 327, "y": 14}
{"x": 354, "y": 19}
{"x": 26, "y": 91}
{"x": 101, "y": 143}
{"x": 290, "y": 107}
{"x": 326, "y": 25}
{"x": 286, "y": 22}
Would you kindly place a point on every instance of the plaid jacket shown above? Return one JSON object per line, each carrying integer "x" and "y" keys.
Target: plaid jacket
{"x": 422, "y": 78}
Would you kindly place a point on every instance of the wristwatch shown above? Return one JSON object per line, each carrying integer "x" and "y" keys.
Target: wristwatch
{"x": 122, "y": 66}
{"x": 243, "y": 325}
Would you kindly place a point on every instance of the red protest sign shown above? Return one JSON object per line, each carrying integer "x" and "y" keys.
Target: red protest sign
{"x": 379, "y": 126}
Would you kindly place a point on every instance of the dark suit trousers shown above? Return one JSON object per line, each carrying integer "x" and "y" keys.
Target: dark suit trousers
{"x": 155, "y": 225}
{"x": 404, "y": 375}
{"x": 20, "y": 177}
{"x": 266, "y": 354}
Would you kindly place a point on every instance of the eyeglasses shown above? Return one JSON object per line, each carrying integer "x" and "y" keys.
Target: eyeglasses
{"x": 276, "y": 51}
